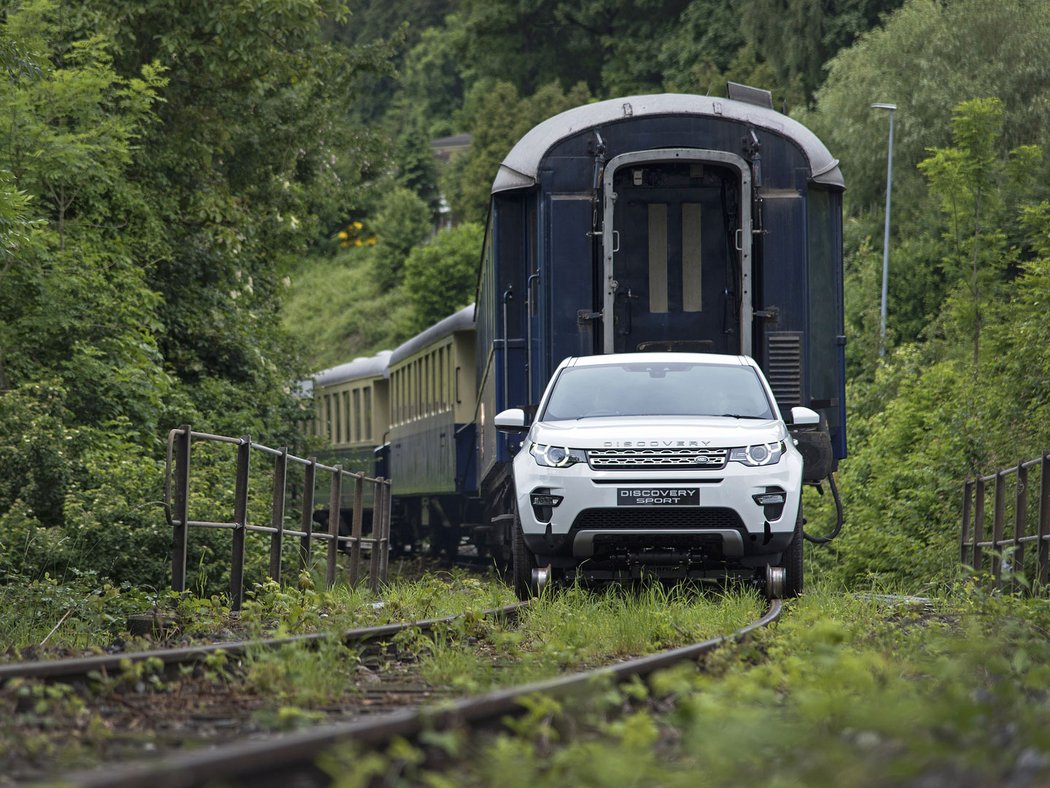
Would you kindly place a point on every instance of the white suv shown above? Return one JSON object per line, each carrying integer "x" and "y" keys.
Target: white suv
{"x": 673, "y": 465}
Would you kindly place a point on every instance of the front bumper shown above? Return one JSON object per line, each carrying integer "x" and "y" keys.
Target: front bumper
{"x": 723, "y": 524}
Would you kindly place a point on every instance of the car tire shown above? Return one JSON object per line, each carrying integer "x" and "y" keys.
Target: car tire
{"x": 791, "y": 560}
{"x": 522, "y": 560}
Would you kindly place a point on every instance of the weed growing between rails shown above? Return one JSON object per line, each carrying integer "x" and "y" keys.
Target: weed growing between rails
{"x": 54, "y": 615}
{"x": 84, "y": 613}
{"x": 844, "y": 691}
{"x": 578, "y": 628}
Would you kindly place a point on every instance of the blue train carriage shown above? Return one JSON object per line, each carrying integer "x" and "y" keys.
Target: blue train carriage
{"x": 430, "y": 445}
{"x": 352, "y": 404}
{"x": 663, "y": 222}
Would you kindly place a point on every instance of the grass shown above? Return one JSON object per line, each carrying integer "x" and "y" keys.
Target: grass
{"x": 50, "y": 617}
{"x": 846, "y": 690}
{"x": 78, "y": 613}
{"x": 578, "y": 628}
{"x": 336, "y": 310}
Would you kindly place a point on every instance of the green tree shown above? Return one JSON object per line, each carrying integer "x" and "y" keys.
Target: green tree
{"x": 432, "y": 80}
{"x": 441, "y": 276}
{"x": 74, "y": 307}
{"x": 499, "y": 117}
{"x": 971, "y": 181}
{"x": 402, "y": 221}
{"x": 797, "y": 37}
{"x": 167, "y": 163}
{"x": 927, "y": 57}
{"x": 612, "y": 46}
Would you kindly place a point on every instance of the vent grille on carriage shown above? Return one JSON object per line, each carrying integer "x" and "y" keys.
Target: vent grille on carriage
{"x": 784, "y": 367}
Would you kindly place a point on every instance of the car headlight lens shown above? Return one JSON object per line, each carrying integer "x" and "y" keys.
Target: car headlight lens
{"x": 759, "y": 454}
{"x": 556, "y": 456}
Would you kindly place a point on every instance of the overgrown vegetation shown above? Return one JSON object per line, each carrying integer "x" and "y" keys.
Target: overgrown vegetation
{"x": 84, "y": 613}
{"x": 199, "y": 204}
{"x": 845, "y": 690}
{"x": 579, "y": 628}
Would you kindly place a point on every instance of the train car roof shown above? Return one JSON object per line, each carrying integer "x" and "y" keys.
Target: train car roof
{"x": 463, "y": 320}
{"x": 364, "y": 367}
{"x": 521, "y": 166}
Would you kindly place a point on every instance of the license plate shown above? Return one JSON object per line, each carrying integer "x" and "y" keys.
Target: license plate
{"x": 657, "y": 496}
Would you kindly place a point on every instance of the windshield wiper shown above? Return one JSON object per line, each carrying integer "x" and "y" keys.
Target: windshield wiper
{"x": 742, "y": 416}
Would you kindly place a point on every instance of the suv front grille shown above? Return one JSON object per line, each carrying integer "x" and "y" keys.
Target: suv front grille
{"x": 659, "y": 459}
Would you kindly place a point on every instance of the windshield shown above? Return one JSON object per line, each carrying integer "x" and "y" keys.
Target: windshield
{"x": 657, "y": 389}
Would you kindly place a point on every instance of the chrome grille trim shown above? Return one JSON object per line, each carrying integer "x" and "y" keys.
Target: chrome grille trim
{"x": 692, "y": 458}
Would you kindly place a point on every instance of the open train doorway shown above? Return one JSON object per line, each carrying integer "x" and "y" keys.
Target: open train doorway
{"x": 677, "y": 252}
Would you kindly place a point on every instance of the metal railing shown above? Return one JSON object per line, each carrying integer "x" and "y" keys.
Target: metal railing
{"x": 1013, "y": 501}
{"x": 177, "y": 511}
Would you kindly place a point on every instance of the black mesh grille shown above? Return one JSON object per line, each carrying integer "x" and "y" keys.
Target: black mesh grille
{"x": 663, "y": 518}
{"x": 649, "y": 459}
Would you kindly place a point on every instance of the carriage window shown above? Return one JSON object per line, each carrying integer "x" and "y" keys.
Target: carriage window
{"x": 417, "y": 374}
{"x": 443, "y": 377}
{"x": 657, "y": 257}
{"x": 423, "y": 386}
{"x": 343, "y": 402}
{"x": 434, "y": 397}
{"x": 368, "y": 413}
{"x": 660, "y": 266}
{"x": 691, "y": 257}
{"x": 357, "y": 415}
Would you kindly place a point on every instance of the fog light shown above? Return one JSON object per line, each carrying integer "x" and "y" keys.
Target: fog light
{"x": 543, "y": 503}
{"x": 772, "y": 502}
{"x": 545, "y": 499}
{"x": 769, "y": 499}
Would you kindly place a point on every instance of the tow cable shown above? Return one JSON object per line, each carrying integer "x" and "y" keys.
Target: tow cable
{"x": 838, "y": 513}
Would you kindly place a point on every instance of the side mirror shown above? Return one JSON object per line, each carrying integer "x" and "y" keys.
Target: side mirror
{"x": 804, "y": 417}
{"x": 511, "y": 420}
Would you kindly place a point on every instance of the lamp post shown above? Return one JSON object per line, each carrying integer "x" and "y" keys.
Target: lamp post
{"x": 891, "y": 108}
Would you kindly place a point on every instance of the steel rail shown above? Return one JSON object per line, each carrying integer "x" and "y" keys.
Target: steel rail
{"x": 284, "y": 759}
{"x": 80, "y": 668}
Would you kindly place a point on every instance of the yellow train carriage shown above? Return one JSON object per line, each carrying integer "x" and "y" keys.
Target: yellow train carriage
{"x": 431, "y": 438}
{"x": 352, "y": 412}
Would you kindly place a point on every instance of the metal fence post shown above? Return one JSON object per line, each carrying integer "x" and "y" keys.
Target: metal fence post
{"x": 240, "y": 520}
{"x": 964, "y": 539}
{"x": 357, "y": 528}
{"x": 333, "y": 524}
{"x": 180, "y": 531}
{"x": 978, "y": 526}
{"x": 378, "y": 509}
{"x": 384, "y": 526}
{"x": 998, "y": 526}
{"x": 307, "y": 518}
{"x": 1020, "y": 518}
{"x": 1044, "y": 522}
{"x": 280, "y": 482}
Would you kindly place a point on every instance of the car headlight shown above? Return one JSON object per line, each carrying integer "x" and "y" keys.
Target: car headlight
{"x": 759, "y": 454}
{"x": 556, "y": 456}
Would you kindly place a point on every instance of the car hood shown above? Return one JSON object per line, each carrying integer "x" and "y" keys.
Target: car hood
{"x": 657, "y": 431}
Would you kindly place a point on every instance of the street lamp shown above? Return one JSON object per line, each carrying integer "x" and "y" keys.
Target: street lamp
{"x": 886, "y": 235}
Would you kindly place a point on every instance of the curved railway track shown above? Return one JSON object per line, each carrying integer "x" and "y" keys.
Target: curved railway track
{"x": 82, "y": 669}
{"x": 290, "y": 759}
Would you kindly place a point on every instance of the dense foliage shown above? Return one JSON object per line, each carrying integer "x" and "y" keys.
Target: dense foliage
{"x": 160, "y": 166}
{"x": 845, "y": 690}
{"x": 200, "y": 202}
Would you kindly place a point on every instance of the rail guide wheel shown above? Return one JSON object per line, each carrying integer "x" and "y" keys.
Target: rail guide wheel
{"x": 776, "y": 582}
{"x": 540, "y": 577}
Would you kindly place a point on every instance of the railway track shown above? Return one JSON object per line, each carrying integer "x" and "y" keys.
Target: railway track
{"x": 290, "y": 759}
{"x": 84, "y": 669}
